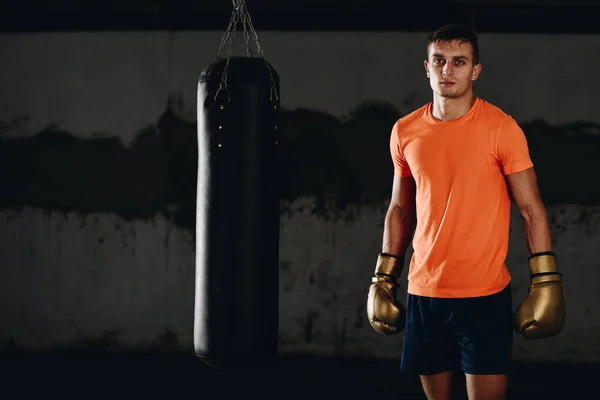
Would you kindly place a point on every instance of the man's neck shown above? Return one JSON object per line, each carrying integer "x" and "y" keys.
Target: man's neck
{"x": 445, "y": 109}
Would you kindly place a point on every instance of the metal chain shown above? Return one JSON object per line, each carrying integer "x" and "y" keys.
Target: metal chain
{"x": 244, "y": 16}
{"x": 240, "y": 14}
{"x": 273, "y": 91}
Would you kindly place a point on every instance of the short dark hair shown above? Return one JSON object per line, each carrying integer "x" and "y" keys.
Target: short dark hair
{"x": 451, "y": 32}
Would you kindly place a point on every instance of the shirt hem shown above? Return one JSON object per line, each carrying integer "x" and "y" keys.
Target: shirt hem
{"x": 416, "y": 290}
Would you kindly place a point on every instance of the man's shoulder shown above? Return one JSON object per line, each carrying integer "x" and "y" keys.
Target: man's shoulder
{"x": 499, "y": 120}
{"x": 414, "y": 117}
{"x": 493, "y": 111}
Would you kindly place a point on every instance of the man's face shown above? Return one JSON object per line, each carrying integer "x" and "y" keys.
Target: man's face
{"x": 450, "y": 68}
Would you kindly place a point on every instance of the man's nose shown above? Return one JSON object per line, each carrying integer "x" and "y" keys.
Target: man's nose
{"x": 447, "y": 70}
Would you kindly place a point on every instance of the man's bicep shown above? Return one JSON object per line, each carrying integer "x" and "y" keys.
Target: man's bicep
{"x": 403, "y": 192}
{"x": 524, "y": 188}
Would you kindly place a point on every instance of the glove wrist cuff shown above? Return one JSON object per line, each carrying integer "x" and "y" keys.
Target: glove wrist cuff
{"x": 389, "y": 265}
{"x": 543, "y": 263}
{"x": 542, "y": 253}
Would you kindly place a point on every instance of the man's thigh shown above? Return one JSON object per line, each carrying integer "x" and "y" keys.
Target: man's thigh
{"x": 484, "y": 330}
{"x": 429, "y": 346}
{"x": 487, "y": 387}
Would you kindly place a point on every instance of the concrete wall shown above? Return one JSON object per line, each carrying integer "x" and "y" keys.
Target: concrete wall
{"x": 98, "y": 170}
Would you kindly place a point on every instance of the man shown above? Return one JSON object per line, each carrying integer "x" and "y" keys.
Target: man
{"x": 455, "y": 161}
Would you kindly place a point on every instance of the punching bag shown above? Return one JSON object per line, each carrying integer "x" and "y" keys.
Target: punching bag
{"x": 236, "y": 321}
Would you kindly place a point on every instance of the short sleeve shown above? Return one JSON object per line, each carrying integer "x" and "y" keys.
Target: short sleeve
{"x": 401, "y": 167}
{"x": 512, "y": 147}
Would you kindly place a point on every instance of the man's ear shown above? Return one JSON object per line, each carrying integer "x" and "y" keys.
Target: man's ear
{"x": 476, "y": 72}
{"x": 426, "y": 64}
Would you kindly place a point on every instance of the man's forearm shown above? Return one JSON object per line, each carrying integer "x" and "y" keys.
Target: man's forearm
{"x": 398, "y": 230}
{"x": 537, "y": 231}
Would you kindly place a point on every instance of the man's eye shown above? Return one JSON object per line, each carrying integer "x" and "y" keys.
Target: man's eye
{"x": 438, "y": 60}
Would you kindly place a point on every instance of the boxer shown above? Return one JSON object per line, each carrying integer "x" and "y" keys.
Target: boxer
{"x": 457, "y": 160}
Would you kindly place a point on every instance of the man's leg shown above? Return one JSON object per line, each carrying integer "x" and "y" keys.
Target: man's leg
{"x": 487, "y": 387}
{"x": 437, "y": 386}
{"x": 429, "y": 349}
{"x": 484, "y": 326}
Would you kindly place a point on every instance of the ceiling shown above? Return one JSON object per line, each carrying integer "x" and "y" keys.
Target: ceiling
{"x": 514, "y": 16}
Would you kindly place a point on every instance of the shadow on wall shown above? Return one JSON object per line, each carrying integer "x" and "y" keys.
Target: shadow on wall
{"x": 338, "y": 161}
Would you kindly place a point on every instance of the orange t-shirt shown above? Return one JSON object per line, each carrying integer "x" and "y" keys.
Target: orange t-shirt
{"x": 462, "y": 200}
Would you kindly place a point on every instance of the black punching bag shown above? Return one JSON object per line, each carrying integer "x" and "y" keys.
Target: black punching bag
{"x": 236, "y": 320}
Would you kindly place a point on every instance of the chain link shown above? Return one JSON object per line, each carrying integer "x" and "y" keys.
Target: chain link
{"x": 240, "y": 14}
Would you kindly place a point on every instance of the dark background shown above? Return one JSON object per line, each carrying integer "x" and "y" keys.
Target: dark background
{"x": 162, "y": 160}
{"x": 553, "y": 16}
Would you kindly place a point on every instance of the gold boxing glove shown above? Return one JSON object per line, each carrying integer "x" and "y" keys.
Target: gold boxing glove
{"x": 385, "y": 315}
{"x": 542, "y": 313}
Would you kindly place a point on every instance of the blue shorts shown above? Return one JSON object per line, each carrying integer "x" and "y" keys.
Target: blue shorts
{"x": 474, "y": 334}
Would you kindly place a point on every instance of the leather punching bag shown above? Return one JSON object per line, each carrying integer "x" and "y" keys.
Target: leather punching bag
{"x": 236, "y": 320}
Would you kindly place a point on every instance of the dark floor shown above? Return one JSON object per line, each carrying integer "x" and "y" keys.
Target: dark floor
{"x": 133, "y": 376}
